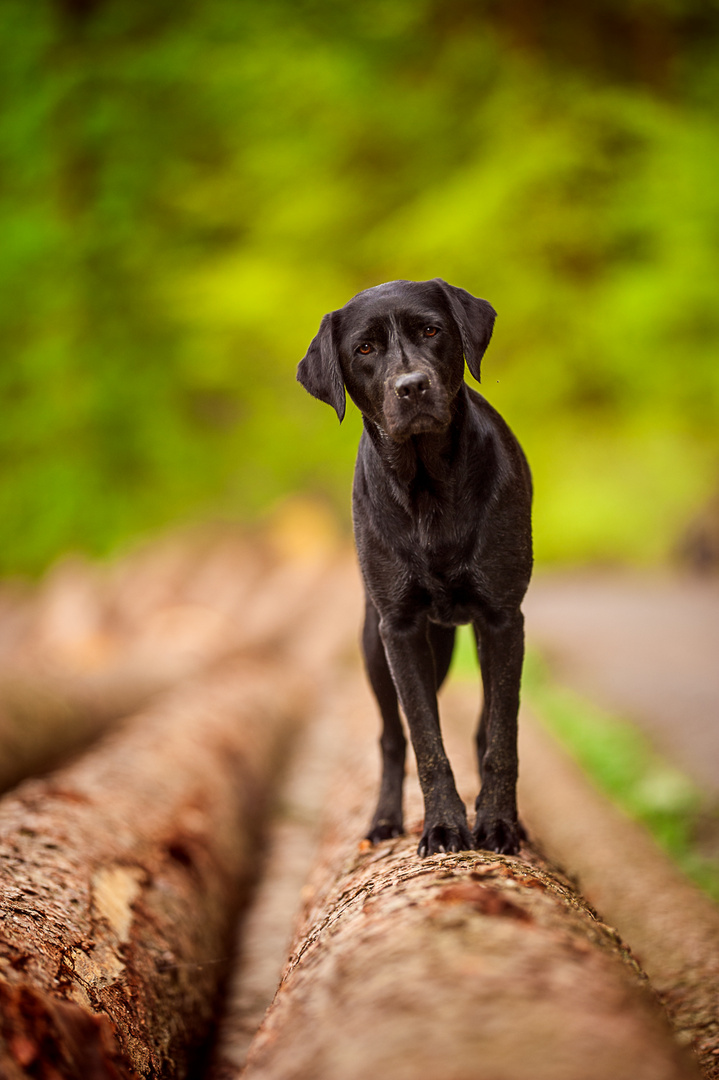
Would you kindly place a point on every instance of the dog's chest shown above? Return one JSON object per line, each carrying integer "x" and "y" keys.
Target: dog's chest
{"x": 449, "y": 587}
{"x": 440, "y": 567}
{"x": 437, "y": 546}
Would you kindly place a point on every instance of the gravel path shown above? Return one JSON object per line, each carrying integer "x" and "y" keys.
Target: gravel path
{"x": 642, "y": 646}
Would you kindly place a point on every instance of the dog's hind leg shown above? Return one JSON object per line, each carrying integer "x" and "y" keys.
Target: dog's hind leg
{"x": 387, "y": 821}
{"x": 481, "y": 736}
{"x": 441, "y": 638}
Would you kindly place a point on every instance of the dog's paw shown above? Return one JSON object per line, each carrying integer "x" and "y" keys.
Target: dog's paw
{"x": 499, "y": 835}
{"x": 444, "y": 838}
{"x": 384, "y": 829}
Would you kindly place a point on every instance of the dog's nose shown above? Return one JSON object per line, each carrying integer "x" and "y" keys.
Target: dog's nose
{"x": 411, "y": 385}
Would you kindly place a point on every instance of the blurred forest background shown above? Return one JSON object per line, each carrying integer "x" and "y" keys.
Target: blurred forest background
{"x": 186, "y": 186}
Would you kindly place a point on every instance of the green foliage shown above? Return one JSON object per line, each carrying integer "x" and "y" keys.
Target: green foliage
{"x": 185, "y": 188}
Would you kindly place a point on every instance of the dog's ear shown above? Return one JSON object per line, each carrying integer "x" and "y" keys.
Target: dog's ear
{"x": 319, "y": 372}
{"x": 475, "y": 319}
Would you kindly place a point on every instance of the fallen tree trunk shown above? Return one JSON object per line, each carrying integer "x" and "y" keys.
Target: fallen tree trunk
{"x": 266, "y": 930}
{"x": 89, "y": 644}
{"x": 121, "y": 877}
{"x": 460, "y": 966}
{"x": 45, "y": 720}
{"x": 671, "y": 925}
{"x": 92, "y": 648}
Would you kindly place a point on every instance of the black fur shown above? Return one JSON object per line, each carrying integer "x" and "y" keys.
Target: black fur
{"x": 442, "y": 507}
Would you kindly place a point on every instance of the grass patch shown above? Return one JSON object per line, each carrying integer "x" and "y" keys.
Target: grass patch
{"x": 620, "y": 760}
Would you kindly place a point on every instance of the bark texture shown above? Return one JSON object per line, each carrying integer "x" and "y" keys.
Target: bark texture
{"x": 460, "y": 966}
{"x": 121, "y": 876}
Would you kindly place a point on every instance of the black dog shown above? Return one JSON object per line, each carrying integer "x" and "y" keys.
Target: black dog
{"x": 442, "y": 506}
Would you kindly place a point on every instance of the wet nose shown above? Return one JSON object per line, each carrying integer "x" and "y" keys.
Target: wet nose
{"x": 412, "y": 384}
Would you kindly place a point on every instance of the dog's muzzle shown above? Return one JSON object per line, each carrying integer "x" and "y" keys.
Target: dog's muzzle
{"x": 412, "y": 385}
{"x": 415, "y": 403}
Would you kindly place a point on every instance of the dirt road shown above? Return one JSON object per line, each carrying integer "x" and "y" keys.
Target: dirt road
{"x": 644, "y": 646}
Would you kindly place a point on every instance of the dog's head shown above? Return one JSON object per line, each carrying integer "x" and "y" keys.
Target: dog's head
{"x": 399, "y": 349}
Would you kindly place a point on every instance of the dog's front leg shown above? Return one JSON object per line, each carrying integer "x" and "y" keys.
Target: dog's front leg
{"x": 387, "y": 820}
{"x": 501, "y": 652}
{"x": 412, "y": 664}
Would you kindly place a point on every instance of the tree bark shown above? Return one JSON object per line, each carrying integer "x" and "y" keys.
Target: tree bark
{"x": 121, "y": 877}
{"x": 460, "y": 966}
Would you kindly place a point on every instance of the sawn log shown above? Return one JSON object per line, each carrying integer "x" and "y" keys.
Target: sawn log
{"x": 121, "y": 876}
{"x": 466, "y": 967}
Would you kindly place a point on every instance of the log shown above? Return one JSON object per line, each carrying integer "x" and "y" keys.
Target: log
{"x": 669, "y": 923}
{"x": 121, "y": 877}
{"x": 43, "y": 722}
{"x": 93, "y": 645}
{"x": 461, "y": 966}
{"x": 265, "y": 932}
{"x": 83, "y": 648}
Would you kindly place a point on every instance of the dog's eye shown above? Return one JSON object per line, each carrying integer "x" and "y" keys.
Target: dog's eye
{"x": 430, "y": 331}
{"x": 364, "y": 348}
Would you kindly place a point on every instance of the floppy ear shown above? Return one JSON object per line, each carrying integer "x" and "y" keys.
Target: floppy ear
{"x": 475, "y": 319}
{"x": 319, "y": 371}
